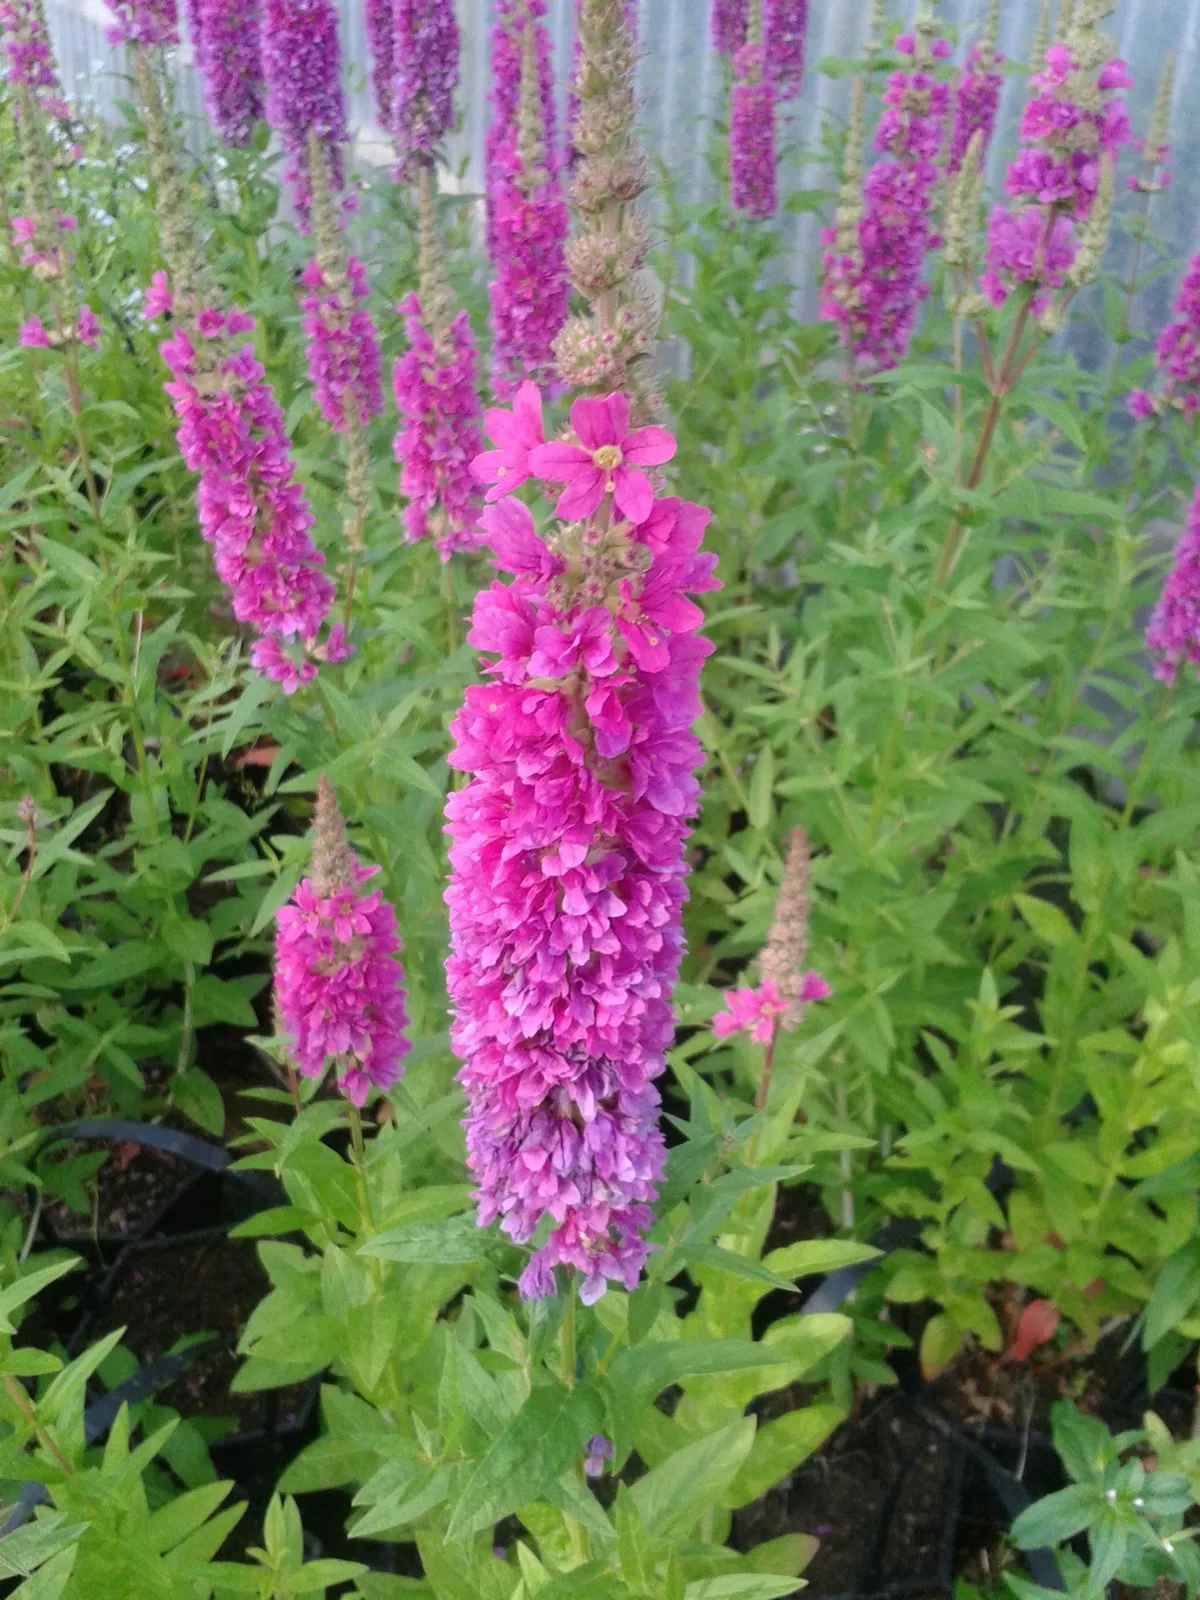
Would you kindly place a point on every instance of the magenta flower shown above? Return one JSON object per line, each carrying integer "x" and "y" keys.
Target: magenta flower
{"x": 729, "y": 20}
{"x": 27, "y": 55}
{"x": 87, "y": 328}
{"x": 33, "y": 335}
{"x": 379, "y": 17}
{"x": 302, "y": 63}
{"x": 436, "y": 392}
{"x": 785, "y": 26}
{"x": 425, "y": 49}
{"x": 567, "y": 863}
{"x": 343, "y": 347}
{"x": 757, "y": 1011}
{"x": 873, "y": 294}
{"x": 145, "y": 22}
{"x": 752, "y": 134}
{"x": 530, "y": 223}
{"x": 158, "y": 299}
{"x": 252, "y": 510}
{"x": 976, "y": 100}
{"x": 606, "y": 460}
{"x": 227, "y": 45}
{"x": 515, "y": 433}
{"x": 1173, "y": 633}
{"x": 339, "y": 986}
{"x": 1177, "y": 355}
{"x": 1071, "y": 122}
{"x": 508, "y": 48}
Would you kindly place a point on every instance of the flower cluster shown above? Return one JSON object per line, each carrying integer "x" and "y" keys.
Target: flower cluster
{"x": 40, "y": 246}
{"x": 27, "y": 54}
{"x": 785, "y": 26}
{"x": 976, "y": 101}
{"x": 425, "y": 48}
{"x": 343, "y": 347}
{"x": 758, "y": 1011}
{"x": 227, "y": 45}
{"x": 338, "y": 984}
{"x": 435, "y": 387}
{"x": 1178, "y": 354}
{"x": 1070, "y": 126}
{"x": 34, "y": 334}
{"x": 513, "y": 17}
{"x": 530, "y": 290}
{"x": 752, "y": 134}
{"x": 530, "y": 223}
{"x": 145, "y": 22}
{"x": 379, "y": 17}
{"x": 729, "y": 24}
{"x": 873, "y": 289}
{"x": 302, "y": 61}
{"x": 567, "y": 845}
{"x": 252, "y": 510}
{"x": 1173, "y": 633}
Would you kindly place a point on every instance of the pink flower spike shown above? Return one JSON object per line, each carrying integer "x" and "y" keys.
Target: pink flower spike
{"x": 33, "y": 335}
{"x": 515, "y": 433}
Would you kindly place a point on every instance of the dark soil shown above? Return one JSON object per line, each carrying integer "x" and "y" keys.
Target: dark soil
{"x": 163, "y": 1292}
{"x": 881, "y": 1496}
{"x": 131, "y": 1189}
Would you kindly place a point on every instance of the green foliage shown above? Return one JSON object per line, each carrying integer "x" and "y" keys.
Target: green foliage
{"x": 1130, "y": 1494}
{"x": 936, "y": 671}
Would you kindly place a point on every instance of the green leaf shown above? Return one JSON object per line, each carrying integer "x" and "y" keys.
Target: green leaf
{"x": 808, "y": 1256}
{"x": 1057, "y": 1517}
{"x": 677, "y": 1493}
{"x": 1049, "y": 924}
{"x": 651, "y": 1368}
{"x": 27, "y": 1548}
{"x": 49, "y": 1581}
{"x": 126, "y": 961}
{"x": 740, "y": 1586}
{"x": 779, "y": 1448}
{"x": 447, "y": 1243}
{"x": 761, "y": 789}
{"x": 1175, "y": 1293}
{"x": 545, "y": 1437}
{"x": 197, "y": 1097}
{"x": 29, "y": 1284}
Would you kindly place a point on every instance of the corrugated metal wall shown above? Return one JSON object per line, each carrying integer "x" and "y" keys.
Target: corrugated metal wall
{"x": 682, "y": 82}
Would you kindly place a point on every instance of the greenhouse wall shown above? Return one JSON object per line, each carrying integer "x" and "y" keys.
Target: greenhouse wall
{"x": 682, "y": 80}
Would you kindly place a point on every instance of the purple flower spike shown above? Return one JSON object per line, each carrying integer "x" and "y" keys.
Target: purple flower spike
{"x": 426, "y": 48}
{"x": 435, "y": 387}
{"x": 338, "y": 985}
{"x": 302, "y": 61}
{"x": 253, "y": 511}
{"x": 874, "y": 293}
{"x": 27, "y": 57}
{"x": 1173, "y": 633}
{"x": 227, "y": 43}
{"x": 1071, "y": 123}
{"x": 752, "y": 134}
{"x": 146, "y": 22}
